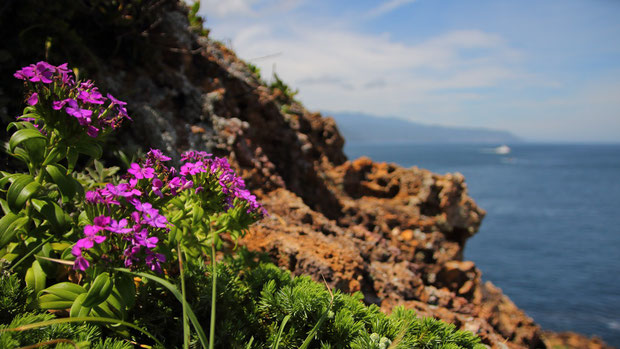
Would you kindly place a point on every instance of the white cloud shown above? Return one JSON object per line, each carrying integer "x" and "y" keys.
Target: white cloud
{"x": 228, "y": 7}
{"x": 386, "y": 7}
{"x": 242, "y": 8}
{"x": 339, "y": 69}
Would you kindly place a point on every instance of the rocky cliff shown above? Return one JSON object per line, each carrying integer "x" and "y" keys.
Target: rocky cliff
{"x": 397, "y": 235}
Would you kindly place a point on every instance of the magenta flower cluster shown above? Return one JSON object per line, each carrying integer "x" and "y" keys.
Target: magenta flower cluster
{"x": 133, "y": 220}
{"x": 137, "y": 229}
{"x": 232, "y": 186}
{"x": 81, "y": 100}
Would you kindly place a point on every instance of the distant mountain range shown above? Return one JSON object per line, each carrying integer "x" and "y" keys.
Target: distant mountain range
{"x": 358, "y": 128}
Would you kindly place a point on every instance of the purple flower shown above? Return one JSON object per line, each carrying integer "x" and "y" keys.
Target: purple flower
{"x": 141, "y": 207}
{"x": 154, "y": 219}
{"x": 102, "y": 221}
{"x": 42, "y": 72}
{"x": 94, "y": 197}
{"x": 57, "y": 105}
{"x": 192, "y": 155}
{"x": 89, "y": 241}
{"x": 119, "y": 227}
{"x": 116, "y": 101}
{"x": 92, "y": 131}
{"x": 192, "y": 168}
{"x": 123, "y": 189}
{"x": 157, "y": 184}
{"x": 93, "y": 96}
{"x": 25, "y": 73}
{"x": 34, "y": 99}
{"x": 119, "y": 106}
{"x": 158, "y": 155}
{"x": 139, "y": 172}
{"x": 177, "y": 184}
{"x": 153, "y": 261}
{"x": 135, "y": 216}
{"x": 65, "y": 73}
{"x": 83, "y": 115}
{"x": 142, "y": 239}
{"x": 81, "y": 263}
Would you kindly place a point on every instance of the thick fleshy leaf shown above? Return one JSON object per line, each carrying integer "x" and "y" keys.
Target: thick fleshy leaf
{"x": 72, "y": 157}
{"x": 90, "y": 148}
{"x": 64, "y": 182}
{"x": 48, "y": 266}
{"x": 77, "y": 309}
{"x": 54, "y": 305}
{"x": 116, "y": 303}
{"x": 36, "y": 150}
{"x": 35, "y": 277}
{"x": 63, "y": 291}
{"x": 20, "y": 125}
{"x": 22, "y": 136}
{"x": 22, "y": 189}
{"x": 55, "y": 155}
{"x": 126, "y": 289}
{"x": 4, "y": 206}
{"x": 197, "y": 214}
{"x": 10, "y": 224}
{"x": 98, "y": 291}
{"x": 53, "y": 214}
{"x": 20, "y": 154}
{"x": 5, "y": 177}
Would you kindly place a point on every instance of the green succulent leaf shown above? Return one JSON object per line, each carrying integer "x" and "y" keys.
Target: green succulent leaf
{"x": 22, "y": 189}
{"x": 22, "y": 136}
{"x": 53, "y": 214}
{"x": 56, "y": 154}
{"x": 77, "y": 308}
{"x": 35, "y": 277}
{"x": 63, "y": 291}
{"x": 90, "y": 148}
{"x": 10, "y": 224}
{"x": 65, "y": 183}
{"x": 98, "y": 291}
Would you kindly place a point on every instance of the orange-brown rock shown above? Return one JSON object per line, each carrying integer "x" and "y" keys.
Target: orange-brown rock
{"x": 573, "y": 340}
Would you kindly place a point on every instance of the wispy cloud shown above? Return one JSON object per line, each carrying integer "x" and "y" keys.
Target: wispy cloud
{"x": 386, "y": 7}
{"x": 228, "y": 7}
{"x": 337, "y": 69}
{"x": 461, "y": 76}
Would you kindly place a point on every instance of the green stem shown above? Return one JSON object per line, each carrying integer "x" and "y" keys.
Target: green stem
{"x": 185, "y": 320}
{"x": 31, "y": 252}
{"x": 213, "y": 297}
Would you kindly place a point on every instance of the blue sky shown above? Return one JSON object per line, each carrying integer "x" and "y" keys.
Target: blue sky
{"x": 545, "y": 70}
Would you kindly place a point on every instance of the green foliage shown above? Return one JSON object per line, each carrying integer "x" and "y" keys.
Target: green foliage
{"x": 196, "y": 22}
{"x": 68, "y": 334}
{"x": 254, "y": 70}
{"x": 255, "y": 297}
{"x": 284, "y": 93}
{"x": 13, "y": 297}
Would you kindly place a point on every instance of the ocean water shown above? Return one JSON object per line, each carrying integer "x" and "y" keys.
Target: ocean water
{"x": 551, "y": 237}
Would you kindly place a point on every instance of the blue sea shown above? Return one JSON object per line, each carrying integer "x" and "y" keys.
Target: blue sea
{"x": 551, "y": 237}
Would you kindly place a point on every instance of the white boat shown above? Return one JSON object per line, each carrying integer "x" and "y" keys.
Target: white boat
{"x": 502, "y": 149}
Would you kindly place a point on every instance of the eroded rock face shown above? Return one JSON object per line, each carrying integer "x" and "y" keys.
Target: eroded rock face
{"x": 397, "y": 235}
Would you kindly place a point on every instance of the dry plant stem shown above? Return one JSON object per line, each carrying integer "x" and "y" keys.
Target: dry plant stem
{"x": 54, "y": 341}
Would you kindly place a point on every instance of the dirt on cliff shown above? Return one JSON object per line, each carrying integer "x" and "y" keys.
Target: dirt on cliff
{"x": 397, "y": 235}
